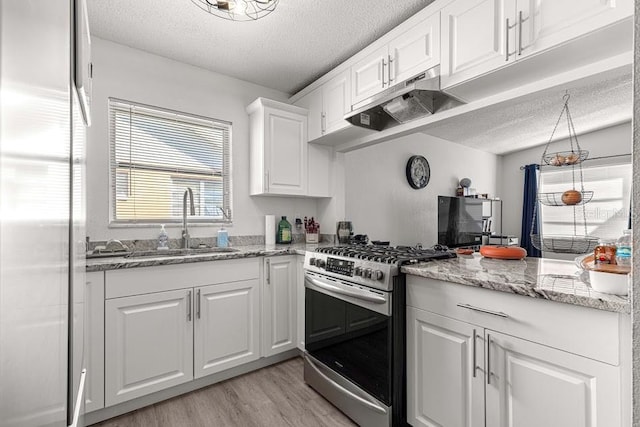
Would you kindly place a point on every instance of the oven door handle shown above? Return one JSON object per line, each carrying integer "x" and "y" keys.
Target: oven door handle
{"x": 360, "y": 295}
{"x": 365, "y": 402}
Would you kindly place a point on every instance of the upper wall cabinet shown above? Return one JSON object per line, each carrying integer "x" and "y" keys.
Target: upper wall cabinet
{"x": 415, "y": 50}
{"x": 278, "y": 148}
{"x": 479, "y": 36}
{"x": 327, "y": 106}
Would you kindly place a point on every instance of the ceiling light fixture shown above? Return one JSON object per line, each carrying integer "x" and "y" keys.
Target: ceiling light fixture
{"x": 238, "y": 10}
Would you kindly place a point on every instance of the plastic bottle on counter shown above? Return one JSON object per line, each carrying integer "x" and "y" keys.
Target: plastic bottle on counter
{"x": 284, "y": 231}
{"x": 623, "y": 249}
{"x": 223, "y": 238}
{"x": 163, "y": 239}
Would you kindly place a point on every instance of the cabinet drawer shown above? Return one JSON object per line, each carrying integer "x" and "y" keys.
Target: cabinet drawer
{"x": 588, "y": 332}
{"x": 144, "y": 280}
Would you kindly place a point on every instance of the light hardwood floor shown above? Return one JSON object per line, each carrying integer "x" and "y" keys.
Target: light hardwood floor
{"x": 272, "y": 396}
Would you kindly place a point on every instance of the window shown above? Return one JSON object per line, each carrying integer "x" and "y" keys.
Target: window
{"x": 607, "y": 214}
{"x": 157, "y": 154}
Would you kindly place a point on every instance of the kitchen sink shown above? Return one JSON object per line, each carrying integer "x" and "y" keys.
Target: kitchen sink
{"x": 179, "y": 252}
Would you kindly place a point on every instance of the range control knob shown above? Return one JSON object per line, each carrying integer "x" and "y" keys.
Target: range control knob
{"x": 312, "y": 261}
{"x": 320, "y": 263}
{"x": 367, "y": 273}
{"x": 357, "y": 271}
{"x": 377, "y": 275}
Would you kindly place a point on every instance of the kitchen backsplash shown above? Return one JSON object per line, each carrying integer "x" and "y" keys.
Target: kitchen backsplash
{"x": 151, "y": 244}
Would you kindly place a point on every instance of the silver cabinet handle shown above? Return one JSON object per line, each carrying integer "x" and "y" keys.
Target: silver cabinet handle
{"x": 506, "y": 36}
{"x": 371, "y": 405}
{"x": 189, "y": 306}
{"x": 483, "y": 310}
{"x": 266, "y": 181}
{"x": 268, "y": 272}
{"x": 488, "y": 359}
{"x": 520, "y": 21}
{"x": 198, "y": 304}
{"x": 390, "y": 67}
{"x": 323, "y": 122}
{"x": 475, "y": 365}
{"x": 384, "y": 65}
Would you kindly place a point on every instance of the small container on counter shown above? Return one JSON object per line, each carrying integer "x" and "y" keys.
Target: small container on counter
{"x": 605, "y": 252}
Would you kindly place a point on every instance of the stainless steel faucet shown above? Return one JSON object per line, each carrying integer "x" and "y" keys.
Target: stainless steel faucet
{"x": 185, "y": 230}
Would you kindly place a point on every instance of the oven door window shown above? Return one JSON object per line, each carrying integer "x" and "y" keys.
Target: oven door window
{"x": 351, "y": 340}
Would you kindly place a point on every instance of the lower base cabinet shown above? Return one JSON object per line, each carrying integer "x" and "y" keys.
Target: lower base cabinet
{"x": 279, "y": 329}
{"x": 468, "y": 374}
{"x": 227, "y": 325}
{"x": 148, "y": 343}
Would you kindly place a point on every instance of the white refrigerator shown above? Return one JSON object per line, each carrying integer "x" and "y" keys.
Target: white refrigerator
{"x": 42, "y": 216}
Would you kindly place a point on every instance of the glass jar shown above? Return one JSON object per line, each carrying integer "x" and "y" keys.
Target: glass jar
{"x": 624, "y": 249}
{"x": 605, "y": 252}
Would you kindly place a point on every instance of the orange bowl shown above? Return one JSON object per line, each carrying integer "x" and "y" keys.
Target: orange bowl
{"x": 503, "y": 252}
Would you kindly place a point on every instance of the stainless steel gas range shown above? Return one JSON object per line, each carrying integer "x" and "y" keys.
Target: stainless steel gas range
{"x": 355, "y": 328}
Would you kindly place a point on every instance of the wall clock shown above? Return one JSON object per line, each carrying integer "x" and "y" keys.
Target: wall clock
{"x": 418, "y": 172}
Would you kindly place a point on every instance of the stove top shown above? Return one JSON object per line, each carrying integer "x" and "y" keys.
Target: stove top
{"x": 398, "y": 255}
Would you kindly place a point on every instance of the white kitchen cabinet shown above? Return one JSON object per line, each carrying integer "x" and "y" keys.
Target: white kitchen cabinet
{"x": 149, "y": 344}
{"x": 279, "y": 305}
{"x": 532, "y": 385}
{"x": 278, "y": 148}
{"x": 445, "y": 381}
{"x": 412, "y": 52}
{"x": 300, "y": 300}
{"x": 94, "y": 341}
{"x": 480, "y": 36}
{"x": 476, "y": 356}
{"x": 416, "y": 50}
{"x": 327, "y": 106}
{"x": 226, "y": 327}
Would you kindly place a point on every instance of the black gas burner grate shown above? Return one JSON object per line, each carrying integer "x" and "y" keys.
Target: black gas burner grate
{"x": 399, "y": 255}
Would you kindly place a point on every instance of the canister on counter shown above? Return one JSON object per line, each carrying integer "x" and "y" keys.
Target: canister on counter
{"x": 605, "y": 252}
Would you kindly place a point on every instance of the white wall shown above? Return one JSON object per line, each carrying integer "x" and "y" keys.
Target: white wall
{"x": 134, "y": 75}
{"x": 381, "y": 203}
{"x": 604, "y": 142}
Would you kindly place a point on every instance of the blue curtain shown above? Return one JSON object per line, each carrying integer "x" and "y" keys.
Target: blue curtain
{"x": 529, "y": 202}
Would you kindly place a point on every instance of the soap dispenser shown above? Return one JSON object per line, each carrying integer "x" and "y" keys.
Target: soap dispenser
{"x": 223, "y": 238}
{"x": 163, "y": 239}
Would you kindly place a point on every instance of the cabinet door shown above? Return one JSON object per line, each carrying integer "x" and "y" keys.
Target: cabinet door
{"x": 547, "y": 23}
{"x": 336, "y": 97}
{"x": 416, "y": 50}
{"x": 474, "y": 38}
{"x": 94, "y": 341}
{"x": 148, "y": 344}
{"x": 286, "y": 152}
{"x": 227, "y": 326}
{"x": 279, "y": 305}
{"x": 300, "y": 300}
{"x": 369, "y": 75}
{"x": 445, "y": 381}
{"x": 532, "y": 385}
{"x": 315, "y": 118}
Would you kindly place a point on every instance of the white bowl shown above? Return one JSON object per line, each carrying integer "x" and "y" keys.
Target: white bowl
{"x": 610, "y": 283}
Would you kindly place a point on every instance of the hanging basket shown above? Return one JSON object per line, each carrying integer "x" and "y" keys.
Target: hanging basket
{"x": 565, "y": 158}
{"x": 555, "y": 199}
{"x": 564, "y": 244}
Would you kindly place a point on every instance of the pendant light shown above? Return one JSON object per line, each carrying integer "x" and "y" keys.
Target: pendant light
{"x": 238, "y": 10}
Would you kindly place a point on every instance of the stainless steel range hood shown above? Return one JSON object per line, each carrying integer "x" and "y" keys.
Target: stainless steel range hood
{"x": 412, "y": 99}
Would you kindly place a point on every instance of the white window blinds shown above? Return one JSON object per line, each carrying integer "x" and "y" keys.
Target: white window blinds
{"x": 156, "y": 154}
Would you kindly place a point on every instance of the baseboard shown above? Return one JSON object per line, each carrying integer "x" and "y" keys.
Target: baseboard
{"x": 140, "y": 402}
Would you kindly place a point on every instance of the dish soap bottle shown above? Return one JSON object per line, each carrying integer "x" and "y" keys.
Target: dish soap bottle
{"x": 623, "y": 249}
{"x": 223, "y": 238}
{"x": 284, "y": 231}
{"x": 163, "y": 239}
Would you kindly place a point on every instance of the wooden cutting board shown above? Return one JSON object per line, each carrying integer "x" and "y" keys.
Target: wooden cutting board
{"x": 588, "y": 263}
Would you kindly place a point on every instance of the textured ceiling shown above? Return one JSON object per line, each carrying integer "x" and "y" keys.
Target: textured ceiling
{"x": 528, "y": 121}
{"x": 287, "y": 50}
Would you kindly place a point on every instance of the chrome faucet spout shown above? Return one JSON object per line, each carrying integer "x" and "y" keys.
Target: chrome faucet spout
{"x": 185, "y": 229}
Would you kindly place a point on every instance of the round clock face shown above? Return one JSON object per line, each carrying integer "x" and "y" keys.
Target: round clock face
{"x": 418, "y": 172}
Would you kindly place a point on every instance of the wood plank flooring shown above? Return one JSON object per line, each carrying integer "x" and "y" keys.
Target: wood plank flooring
{"x": 272, "y": 396}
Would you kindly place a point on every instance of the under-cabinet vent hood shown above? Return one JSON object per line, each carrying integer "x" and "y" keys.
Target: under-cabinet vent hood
{"x": 412, "y": 99}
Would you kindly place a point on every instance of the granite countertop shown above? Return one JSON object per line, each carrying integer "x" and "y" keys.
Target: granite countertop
{"x": 113, "y": 263}
{"x": 554, "y": 280}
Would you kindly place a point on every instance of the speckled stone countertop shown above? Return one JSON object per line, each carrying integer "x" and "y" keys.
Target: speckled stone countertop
{"x": 554, "y": 280}
{"x": 113, "y": 263}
